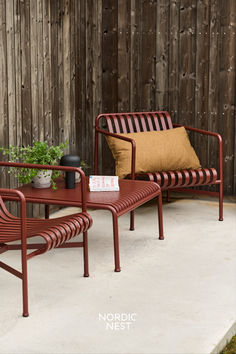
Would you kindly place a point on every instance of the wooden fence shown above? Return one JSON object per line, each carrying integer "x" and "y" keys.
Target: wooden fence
{"x": 63, "y": 62}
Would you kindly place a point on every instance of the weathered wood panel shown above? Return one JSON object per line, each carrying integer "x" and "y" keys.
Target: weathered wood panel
{"x": 173, "y": 64}
{"x": 80, "y": 70}
{"x": 187, "y": 61}
{"x": 26, "y": 99}
{"x": 214, "y": 89}
{"x": 162, "y": 55}
{"x": 123, "y": 53}
{"x": 47, "y": 73}
{"x": 109, "y": 66}
{"x": 72, "y": 57}
{"x": 147, "y": 55}
{"x": 227, "y": 87}
{"x": 63, "y": 62}
{"x": 4, "y": 138}
{"x": 54, "y": 74}
{"x": 202, "y": 77}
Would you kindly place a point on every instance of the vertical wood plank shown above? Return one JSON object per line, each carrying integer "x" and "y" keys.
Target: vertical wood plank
{"x": 187, "y": 54}
{"x": 173, "y": 66}
{"x": 47, "y": 73}
{"x": 135, "y": 55}
{"x": 77, "y": 69}
{"x": 11, "y": 71}
{"x": 72, "y": 57}
{"x": 123, "y": 38}
{"x": 214, "y": 89}
{"x": 147, "y": 56}
{"x": 162, "y": 54}
{"x": 34, "y": 70}
{"x": 4, "y": 138}
{"x": 60, "y": 70}
{"x": 88, "y": 123}
{"x": 202, "y": 78}
{"x": 97, "y": 69}
{"x": 65, "y": 117}
{"x": 25, "y": 65}
{"x": 54, "y": 70}
{"x": 17, "y": 50}
{"x": 11, "y": 79}
{"x": 39, "y": 209}
{"x": 17, "y": 26}
{"x": 80, "y": 76}
{"x": 40, "y": 60}
{"x": 109, "y": 68}
{"x": 26, "y": 78}
{"x": 109, "y": 44}
{"x": 34, "y": 80}
{"x": 94, "y": 74}
{"x": 227, "y": 88}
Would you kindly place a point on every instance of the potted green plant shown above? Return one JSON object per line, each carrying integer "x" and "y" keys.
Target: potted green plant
{"x": 39, "y": 153}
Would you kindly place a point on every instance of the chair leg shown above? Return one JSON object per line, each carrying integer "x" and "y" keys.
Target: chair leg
{"x": 85, "y": 242}
{"x": 168, "y": 195}
{"x": 160, "y": 217}
{"x": 46, "y": 211}
{"x": 25, "y": 285}
{"x": 221, "y": 202}
{"x": 132, "y": 220}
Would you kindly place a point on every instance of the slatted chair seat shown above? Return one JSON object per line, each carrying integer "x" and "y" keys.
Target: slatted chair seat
{"x": 114, "y": 124}
{"x": 54, "y": 232}
{"x": 181, "y": 178}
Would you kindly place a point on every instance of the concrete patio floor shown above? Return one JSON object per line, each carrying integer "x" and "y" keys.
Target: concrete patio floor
{"x": 176, "y": 296}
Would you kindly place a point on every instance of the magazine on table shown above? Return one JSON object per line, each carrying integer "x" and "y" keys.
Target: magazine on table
{"x": 103, "y": 183}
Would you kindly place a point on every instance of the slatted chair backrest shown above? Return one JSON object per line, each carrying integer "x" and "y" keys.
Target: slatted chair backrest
{"x": 4, "y": 213}
{"x": 137, "y": 122}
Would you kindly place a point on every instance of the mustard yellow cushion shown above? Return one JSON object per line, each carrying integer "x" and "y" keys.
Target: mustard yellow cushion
{"x": 165, "y": 150}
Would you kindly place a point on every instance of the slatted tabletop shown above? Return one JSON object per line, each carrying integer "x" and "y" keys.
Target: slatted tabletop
{"x": 131, "y": 195}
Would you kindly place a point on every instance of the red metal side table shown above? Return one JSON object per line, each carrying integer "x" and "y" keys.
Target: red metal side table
{"x": 132, "y": 194}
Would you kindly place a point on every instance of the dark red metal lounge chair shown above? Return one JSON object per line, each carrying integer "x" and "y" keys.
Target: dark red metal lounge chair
{"x": 113, "y": 124}
{"x": 54, "y": 232}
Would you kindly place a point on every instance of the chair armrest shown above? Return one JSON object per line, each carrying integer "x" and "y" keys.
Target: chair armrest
{"x": 58, "y": 168}
{"x": 216, "y": 135}
{"x": 200, "y": 131}
{"x": 22, "y": 199}
{"x": 121, "y": 137}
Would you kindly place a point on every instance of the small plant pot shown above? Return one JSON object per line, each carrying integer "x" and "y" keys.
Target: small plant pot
{"x": 42, "y": 179}
{"x": 77, "y": 177}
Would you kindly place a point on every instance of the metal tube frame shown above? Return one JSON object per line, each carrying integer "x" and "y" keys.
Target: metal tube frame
{"x": 133, "y": 152}
{"x": 133, "y": 158}
{"x": 23, "y": 246}
{"x": 220, "y": 164}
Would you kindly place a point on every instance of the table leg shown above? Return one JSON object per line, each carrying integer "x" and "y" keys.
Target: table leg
{"x": 132, "y": 220}
{"x": 116, "y": 242}
{"x": 160, "y": 217}
{"x": 85, "y": 249}
{"x": 168, "y": 195}
{"x": 46, "y": 211}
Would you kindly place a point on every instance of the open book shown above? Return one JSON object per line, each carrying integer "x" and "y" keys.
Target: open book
{"x": 103, "y": 183}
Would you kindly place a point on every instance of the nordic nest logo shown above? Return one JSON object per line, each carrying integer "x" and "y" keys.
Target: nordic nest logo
{"x": 117, "y": 321}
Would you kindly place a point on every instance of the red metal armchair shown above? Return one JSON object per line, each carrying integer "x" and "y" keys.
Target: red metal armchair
{"x": 54, "y": 232}
{"x": 113, "y": 124}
